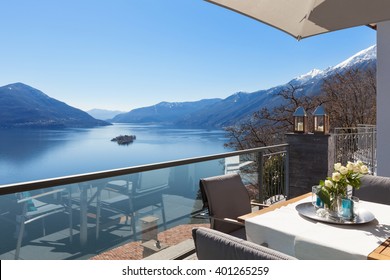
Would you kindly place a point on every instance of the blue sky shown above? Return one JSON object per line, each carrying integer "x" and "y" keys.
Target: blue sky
{"x": 125, "y": 54}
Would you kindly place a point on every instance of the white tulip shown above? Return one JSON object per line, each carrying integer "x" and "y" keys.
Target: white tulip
{"x": 328, "y": 184}
{"x": 364, "y": 169}
{"x": 350, "y": 166}
{"x": 336, "y": 176}
{"x": 343, "y": 170}
{"x": 356, "y": 168}
{"x": 337, "y": 166}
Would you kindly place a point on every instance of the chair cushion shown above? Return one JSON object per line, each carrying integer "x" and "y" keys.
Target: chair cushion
{"x": 227, "y": 197}
{"x": 214, "y": 245}
{"x": 374, "y": 189}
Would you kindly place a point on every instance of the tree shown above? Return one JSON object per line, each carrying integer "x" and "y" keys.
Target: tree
{"x": 351, "y": 97}
{"x": 268, "y": 126}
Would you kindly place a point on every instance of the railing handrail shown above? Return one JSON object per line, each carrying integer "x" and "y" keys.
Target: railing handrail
{"x": 358, "y": 128}
{"x": 73, "y": 179}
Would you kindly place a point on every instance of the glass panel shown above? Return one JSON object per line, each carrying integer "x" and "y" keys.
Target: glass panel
{"x": 299, "y": 124}
{"x": 138, "y": 209}
{"x": 125, "y": 217}
{"x": 26, "y": 217}
{"x": 319, "y": 123}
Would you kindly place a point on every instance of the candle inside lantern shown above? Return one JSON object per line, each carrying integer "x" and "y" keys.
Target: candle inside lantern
{"x": 320, "y": 128}
{"x": 300, "y": 126}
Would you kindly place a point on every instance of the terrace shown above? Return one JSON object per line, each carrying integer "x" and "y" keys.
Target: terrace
{"x": 147, "y": 211}
{"x": 88, "y": 215}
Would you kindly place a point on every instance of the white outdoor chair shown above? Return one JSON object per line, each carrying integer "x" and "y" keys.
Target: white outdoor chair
{"x": 38, "y": 207}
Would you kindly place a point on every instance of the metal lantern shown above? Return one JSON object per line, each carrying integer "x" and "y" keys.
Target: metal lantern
{"x": 300, "y": 120}
{"x": 321, "y": 121}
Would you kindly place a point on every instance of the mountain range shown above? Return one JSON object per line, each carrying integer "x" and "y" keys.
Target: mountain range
{"x": 103, "y": 114}
{"x": 235, "y": 108}
{"x": 24, "y": 106}
{"x": 164, "y": 112}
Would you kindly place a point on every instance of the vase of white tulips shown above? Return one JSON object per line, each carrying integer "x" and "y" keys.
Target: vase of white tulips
{"x": 334, "y": 188}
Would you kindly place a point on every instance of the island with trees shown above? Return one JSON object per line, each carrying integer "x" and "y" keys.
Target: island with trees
{"x": 124, "y": 139}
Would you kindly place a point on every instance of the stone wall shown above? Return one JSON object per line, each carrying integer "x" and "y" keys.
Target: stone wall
{"x": 311, "y": 159}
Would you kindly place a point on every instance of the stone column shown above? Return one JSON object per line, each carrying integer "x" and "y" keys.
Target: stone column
{"x": 311, "y": 159}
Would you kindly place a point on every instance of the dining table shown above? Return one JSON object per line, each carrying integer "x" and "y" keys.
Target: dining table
{"x": 283, "y": 227}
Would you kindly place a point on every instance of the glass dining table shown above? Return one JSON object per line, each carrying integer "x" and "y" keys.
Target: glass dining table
{"x": 282, "y": 227}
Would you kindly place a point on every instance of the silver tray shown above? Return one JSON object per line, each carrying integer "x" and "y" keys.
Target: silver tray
{"x": 307, "y": 210}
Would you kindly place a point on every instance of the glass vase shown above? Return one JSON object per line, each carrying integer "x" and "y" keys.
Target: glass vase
{"x": 334, "y": 208}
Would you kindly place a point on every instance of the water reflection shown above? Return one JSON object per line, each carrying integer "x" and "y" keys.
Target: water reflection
{"x": 38, "y": 154}
{"x": 17, "y": 145}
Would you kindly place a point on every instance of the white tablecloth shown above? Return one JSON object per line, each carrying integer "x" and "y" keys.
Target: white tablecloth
{"x": 286, "y": 231}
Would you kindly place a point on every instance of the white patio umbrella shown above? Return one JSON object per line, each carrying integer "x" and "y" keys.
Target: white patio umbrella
{"x": 305, "y": 18}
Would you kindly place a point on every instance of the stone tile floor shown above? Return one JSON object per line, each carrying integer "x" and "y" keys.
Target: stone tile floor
{"x": 134, "y": 250}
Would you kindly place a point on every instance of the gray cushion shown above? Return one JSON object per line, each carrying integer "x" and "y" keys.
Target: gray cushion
{"x": 226, "y": 197}
{"x": 215, "y": 245}
{"x": 374, "y": 189}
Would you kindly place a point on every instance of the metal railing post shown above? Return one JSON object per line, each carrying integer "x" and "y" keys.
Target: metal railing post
{"x": 287, "y": 174}
{"x": 373, "y": 151}
{"x": 260, "y": 172}
{"x": 83, "y": 215}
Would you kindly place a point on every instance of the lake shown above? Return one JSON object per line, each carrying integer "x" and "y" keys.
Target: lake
{"x": 32, "y": 154}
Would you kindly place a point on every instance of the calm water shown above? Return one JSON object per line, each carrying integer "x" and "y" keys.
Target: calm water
{"x": 38, "y": 154}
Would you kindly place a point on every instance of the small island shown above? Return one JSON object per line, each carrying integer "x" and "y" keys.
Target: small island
{"x": 124, "y": 139}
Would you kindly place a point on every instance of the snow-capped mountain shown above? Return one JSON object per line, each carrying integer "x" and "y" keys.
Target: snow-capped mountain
{"x": 241, "y": 105}
{"x": 360, "y": 60}
{"x": 363, "y": 57}
{"x": 308, "y": 76}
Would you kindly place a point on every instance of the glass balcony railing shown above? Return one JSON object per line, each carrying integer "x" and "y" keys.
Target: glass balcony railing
{"x": 130, "y": 213}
